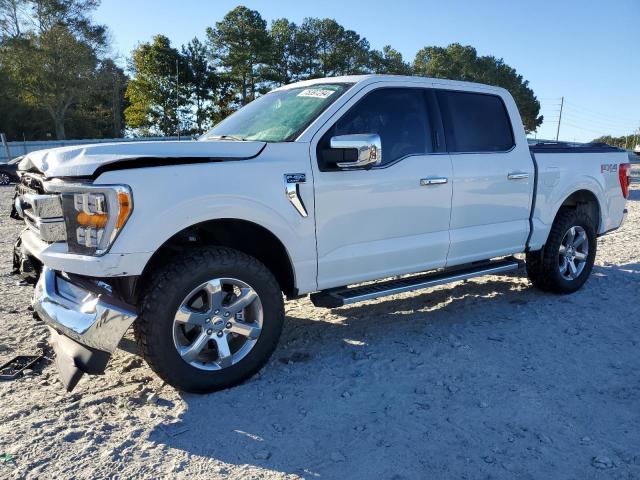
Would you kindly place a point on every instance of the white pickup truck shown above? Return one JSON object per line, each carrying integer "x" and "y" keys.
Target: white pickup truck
{"x": 325, "y": 187}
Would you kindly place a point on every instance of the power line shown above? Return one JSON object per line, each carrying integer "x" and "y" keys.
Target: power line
{"x": 596, "y": 113}
{"x": 581, "y": 118}
{"x": 576, "y": 117}
{"x": 546, "y": 106}
{"x": 599, "y": 131}
{"x": 597, "y": 123}
{"x": 603, "y": 131}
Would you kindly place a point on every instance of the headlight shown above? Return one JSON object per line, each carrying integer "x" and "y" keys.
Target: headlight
{"x": 94, "y": 215}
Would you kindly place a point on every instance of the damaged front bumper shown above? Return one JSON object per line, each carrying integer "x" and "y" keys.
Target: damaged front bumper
{"x": 86, "y": 326}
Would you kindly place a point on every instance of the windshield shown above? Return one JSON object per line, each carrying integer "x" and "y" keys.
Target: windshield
{"x": 279, "y": 116}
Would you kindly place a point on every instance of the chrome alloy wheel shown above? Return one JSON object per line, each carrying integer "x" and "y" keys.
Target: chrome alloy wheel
{"x": 4, "y": 179}
{"x": 573, "y": 253}
{"x": 218, "y": 324}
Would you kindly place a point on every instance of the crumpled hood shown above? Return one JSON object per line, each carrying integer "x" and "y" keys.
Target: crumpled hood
{"x": 84, "y": 160}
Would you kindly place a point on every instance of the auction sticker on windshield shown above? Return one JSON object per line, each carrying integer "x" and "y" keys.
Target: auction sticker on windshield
{"x": 315, "y": 92}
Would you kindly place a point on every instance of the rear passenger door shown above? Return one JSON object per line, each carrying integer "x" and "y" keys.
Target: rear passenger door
{"x": 492, "y": 175}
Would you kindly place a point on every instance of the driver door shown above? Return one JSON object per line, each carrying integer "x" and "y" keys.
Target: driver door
{"x": 392, "y": 218}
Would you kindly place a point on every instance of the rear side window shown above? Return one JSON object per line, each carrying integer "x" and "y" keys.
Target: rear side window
{"x": 475, "y": 122}
{"x": 398, "y": 115}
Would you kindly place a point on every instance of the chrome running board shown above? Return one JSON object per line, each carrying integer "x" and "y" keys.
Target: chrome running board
{"x": 340, "y": 296}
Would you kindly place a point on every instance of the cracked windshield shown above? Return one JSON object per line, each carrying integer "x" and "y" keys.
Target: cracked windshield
{"x": 279, "y": 116}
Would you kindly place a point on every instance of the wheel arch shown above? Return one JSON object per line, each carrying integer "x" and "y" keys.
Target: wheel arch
{"x": 243, "y": 235}
{"x": 586, "y": 201}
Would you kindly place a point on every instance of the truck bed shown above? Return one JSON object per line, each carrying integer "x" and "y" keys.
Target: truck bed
{"x": 562, "y": 169}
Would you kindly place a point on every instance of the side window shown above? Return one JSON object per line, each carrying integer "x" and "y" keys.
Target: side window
{"x": 475, "y": 122}
{"x": 398, "y": 115}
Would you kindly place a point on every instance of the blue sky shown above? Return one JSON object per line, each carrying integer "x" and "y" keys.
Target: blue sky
{"x": 587, "y": 51}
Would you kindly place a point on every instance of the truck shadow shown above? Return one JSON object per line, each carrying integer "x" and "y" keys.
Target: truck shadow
{"x": 374, "y": 387}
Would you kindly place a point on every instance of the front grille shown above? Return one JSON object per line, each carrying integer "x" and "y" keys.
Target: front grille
{"x": 41, "y": 212}
{"x": 30, "y": 183}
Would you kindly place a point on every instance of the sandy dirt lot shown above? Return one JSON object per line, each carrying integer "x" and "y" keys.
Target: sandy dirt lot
{"x": 483, "y": 379}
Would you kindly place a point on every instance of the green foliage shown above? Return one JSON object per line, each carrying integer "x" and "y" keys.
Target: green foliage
{"x": 458, "y": 62}
{"x": 74, "y": 15}
{"x": 240, "y": 44}
{"x": 99, "y": 114}
{"x": 153, "y": 94}
{"x": 388, "y": 61}
{"x": 53, "y": 64}
{"x": 51, "y": 55}
{"x": 284, "y": 50}
{"x": 54, "y": 69}
{"x": 201, "y": 82}
{"x": 11, "y": 17}
{"x": 628, "y": 142}
{"x": 324, "y": 48}
{"x": 17, "y": 117}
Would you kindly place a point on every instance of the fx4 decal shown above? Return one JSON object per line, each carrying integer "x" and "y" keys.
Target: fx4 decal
{"x": 609, "y": 167}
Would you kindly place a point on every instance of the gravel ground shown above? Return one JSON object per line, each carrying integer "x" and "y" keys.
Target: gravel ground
{"x": 487, "y": 378}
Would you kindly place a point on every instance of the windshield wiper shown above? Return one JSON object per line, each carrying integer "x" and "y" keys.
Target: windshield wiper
{"x": 227, "y": 137}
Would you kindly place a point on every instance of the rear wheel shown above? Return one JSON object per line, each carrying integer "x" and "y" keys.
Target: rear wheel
{"x": 210, "y": 320}
{"x": 565, "y": 262}
{"x": 4, "y": 179}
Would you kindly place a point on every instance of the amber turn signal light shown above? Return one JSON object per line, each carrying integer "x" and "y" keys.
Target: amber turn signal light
{"x": 125, "y": 209}
{"x": 95, "y": 221}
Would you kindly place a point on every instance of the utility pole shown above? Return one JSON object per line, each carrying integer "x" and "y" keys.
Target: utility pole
{"x": 559, "y": 118}
{"x": 178, "y": 98}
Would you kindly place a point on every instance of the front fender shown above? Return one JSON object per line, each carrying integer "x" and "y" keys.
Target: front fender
{"x": 167, "y": 221}
{"x": 169, "y": 199}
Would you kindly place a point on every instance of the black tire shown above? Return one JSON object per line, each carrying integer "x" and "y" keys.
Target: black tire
{"x": 169, "y": 286}
{"x": 543, "y": 267}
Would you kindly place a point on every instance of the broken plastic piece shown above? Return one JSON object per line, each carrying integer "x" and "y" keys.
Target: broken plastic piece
{"x": 14, "y": 367}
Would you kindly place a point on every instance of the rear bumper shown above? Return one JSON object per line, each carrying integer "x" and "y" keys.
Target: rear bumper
{"x": 85, "y": 326}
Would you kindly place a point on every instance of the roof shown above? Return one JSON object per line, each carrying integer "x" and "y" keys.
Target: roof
{"x": 373, "y": 78}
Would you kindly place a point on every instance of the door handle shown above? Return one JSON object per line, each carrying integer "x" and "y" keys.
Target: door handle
{"x": 518, "y": 175}
{"x": 425, "y": 182}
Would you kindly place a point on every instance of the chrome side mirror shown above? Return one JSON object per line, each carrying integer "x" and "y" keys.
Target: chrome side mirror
{"x": 367, "y": 145}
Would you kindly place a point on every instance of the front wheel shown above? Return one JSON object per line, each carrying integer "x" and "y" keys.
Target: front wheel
{"x": 565, "y": 262}
{"x": 210, "y": 320}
